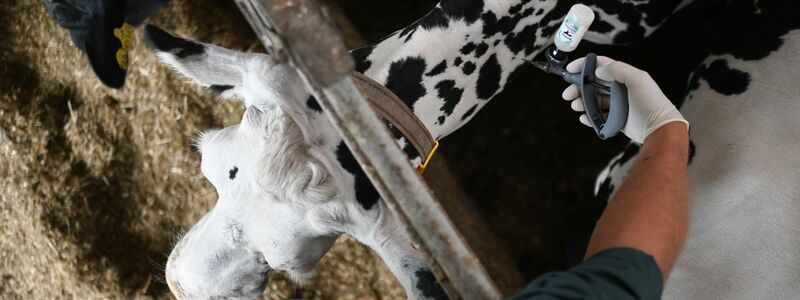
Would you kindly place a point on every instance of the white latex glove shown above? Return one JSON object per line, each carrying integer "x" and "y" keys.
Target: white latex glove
{"x": 648, "y": 108}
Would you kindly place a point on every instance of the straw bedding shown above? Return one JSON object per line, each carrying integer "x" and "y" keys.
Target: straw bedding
{"x": 97, "y": 183}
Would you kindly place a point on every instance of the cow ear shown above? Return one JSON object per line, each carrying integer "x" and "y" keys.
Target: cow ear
{"x": 215, "y": 67}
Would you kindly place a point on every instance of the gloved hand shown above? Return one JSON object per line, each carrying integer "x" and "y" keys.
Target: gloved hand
{"x": 648, "y": 109}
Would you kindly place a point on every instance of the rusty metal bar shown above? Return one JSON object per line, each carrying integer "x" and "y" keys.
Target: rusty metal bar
{"x": 299, "y": 32}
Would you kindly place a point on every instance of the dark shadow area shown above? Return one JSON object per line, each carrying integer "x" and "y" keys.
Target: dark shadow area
{"x": 377, "y": 19}
{"x": 95, "y": 213}
{"x": 108, "y": 238}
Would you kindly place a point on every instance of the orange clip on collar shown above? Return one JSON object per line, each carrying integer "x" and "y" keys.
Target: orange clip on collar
{"x": 424, "y": 164}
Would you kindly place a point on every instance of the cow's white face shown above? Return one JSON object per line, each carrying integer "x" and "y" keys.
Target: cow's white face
{"x": 265, "y": 177}
{"x": 276, "y": 174}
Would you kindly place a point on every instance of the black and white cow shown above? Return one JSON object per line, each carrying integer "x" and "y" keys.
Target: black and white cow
{"x": 288, "y": 186}
{"x": 744, "y": 173}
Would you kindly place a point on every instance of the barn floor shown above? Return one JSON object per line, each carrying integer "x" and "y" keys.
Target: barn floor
{"x": 96, "y": 183}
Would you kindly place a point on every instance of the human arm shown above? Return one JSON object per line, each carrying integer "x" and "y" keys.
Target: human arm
{"x": 649, "y": 212}
{"x": 639, "y": 236}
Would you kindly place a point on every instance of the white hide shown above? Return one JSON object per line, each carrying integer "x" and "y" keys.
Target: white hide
{"x": 744, "y": 233}
{"x": 744, "y": 185}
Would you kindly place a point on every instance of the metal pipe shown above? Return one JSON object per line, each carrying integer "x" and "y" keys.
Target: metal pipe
{"x": 302, "y": 34}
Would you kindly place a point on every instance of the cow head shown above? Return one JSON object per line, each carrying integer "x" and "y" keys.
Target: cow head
{"x": 276, "y": 207}
{"x": 285, "y": 182}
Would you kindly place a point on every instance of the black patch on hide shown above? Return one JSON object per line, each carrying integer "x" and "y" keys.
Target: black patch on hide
{"x": 405, "y": 79}
{"x": 468, "y": 48}
{"x": 451, "y": 95}
{"x": 481, "y": 49}
{"x": 468, "y": 68}
{"x": 312, "y": 103}
{"x": 725, "y": 80}
{"x": 469, "y": 112}
{"x": 467, "y": 10}
{"x": 219, "y": 88}
{"x": 360, "y": 57}
{"x": 516, "y": 8}
{"x": 407, "y": 148}
{"x": 504, "y": 25}
{"x": 437, "y": 69}
{"x": 488, "y": 78}
{"x": 161, "y": 40}
{"x": 366, "y": 195}
{"x": 523, "y": 40}
{"x": 600, "y": 26}
{"x": 232, "y": 172}
{"x": 427, "y": 284}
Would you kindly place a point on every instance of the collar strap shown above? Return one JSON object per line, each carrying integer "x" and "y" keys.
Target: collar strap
{"x": 393, "y": 110}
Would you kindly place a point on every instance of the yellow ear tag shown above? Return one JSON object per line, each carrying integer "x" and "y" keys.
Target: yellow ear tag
{"x": 125, "y": 36}
{"x": 424, "y": 164}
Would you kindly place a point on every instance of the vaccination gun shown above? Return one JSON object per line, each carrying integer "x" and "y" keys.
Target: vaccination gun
{"x": 566, "y": 40}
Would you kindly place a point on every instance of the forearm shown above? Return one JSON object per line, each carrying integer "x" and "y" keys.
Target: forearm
{"x": 650, "y": 210}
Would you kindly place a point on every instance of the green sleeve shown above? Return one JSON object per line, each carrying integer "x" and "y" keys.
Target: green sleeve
{"x": 617, "y": 273}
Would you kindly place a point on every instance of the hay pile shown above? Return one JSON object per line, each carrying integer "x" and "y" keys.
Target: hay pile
{"x": 95, "y": 183}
